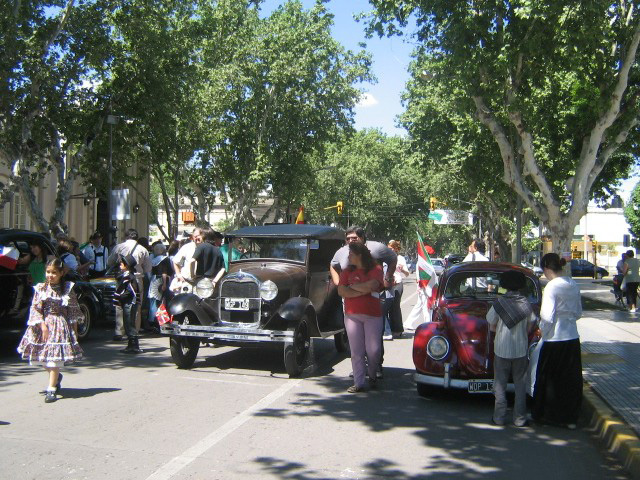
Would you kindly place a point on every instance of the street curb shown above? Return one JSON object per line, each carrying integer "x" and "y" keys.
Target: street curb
{"x": 612, "y": 432}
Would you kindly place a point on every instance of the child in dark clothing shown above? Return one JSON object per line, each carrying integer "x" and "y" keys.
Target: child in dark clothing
{"x": 127, "y": 296}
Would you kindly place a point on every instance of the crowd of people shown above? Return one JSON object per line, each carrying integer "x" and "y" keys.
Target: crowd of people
{"x": 368, "y": 276}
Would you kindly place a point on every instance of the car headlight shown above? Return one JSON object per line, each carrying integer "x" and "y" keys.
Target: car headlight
{"x": 438, "y": 347}
{"x": 268, "y": 290}
{"x": 204, "y": 288}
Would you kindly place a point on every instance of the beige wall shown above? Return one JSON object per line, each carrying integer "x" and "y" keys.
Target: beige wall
{"x": 82, "y": 220}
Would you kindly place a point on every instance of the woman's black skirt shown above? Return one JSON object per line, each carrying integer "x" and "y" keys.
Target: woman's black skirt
{"x": 557, "y": 394}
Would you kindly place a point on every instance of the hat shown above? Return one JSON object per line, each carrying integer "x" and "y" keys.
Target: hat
{"x": 128, "y": 260}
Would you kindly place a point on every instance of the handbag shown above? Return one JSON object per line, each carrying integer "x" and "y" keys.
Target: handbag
{"x": 162, "y": 315}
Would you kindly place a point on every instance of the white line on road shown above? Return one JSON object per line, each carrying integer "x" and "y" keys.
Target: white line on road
{"x": 176, "y": 464}
{"x": 253, "y": 384}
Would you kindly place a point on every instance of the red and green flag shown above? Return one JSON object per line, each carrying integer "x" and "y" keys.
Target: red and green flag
{"x": 427, "y": 277}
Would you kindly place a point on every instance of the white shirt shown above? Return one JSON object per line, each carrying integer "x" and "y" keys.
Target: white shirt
{"x": 401, "y": 266}
{"x": 479, "y": 282}
{"x": 130, "y": 246}
{"x": 183, "y": 258}
{"x": 510, "y": 343}
{"x": 100, "y": 260}
{"x": 561, "y": 308}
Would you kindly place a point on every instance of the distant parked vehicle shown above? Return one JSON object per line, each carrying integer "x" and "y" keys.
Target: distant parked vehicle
{"x": 438, "y": 265}
{"x": 584, "y": 268}
{"x": 536, "y": 270}
{"x": 452, "y": 259}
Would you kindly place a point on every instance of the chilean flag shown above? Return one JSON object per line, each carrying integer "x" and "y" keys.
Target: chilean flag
{"x": 9, "y": 257}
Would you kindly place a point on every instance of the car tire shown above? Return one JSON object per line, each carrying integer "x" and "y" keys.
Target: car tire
{"x": 184, "y": 351}
{"x": 88, "y": 317}
{"x": 296, "y": 352}
{"x": 599, "y": 275}
{"x": 424, "y": 391}
{"x": 342, "y": 342}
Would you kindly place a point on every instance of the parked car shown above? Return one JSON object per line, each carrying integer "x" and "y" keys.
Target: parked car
{"x": 584, "y": 268}
{"x": 455, "y": 349}
{"x": 536, "y": 270}
{"x": 438, "y": 265}
{"x": 280, "y": 290}
{"x": 452, "y": 259}
{"x": 106, "y": 285}
{"x": 17, "y": 290}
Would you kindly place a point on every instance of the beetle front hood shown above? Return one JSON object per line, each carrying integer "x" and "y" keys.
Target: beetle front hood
{"x": 469, "y": 330}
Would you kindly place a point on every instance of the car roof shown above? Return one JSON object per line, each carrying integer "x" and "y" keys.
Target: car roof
{"x": 487, "y": 266}
{"x": 290, "y": 230}
{"x": 12, "y": 234}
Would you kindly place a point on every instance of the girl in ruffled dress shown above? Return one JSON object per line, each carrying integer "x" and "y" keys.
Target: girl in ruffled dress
{"x": 51, "y": 339}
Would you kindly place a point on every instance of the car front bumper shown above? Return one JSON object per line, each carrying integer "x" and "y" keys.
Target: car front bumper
{"x": 448, "y": 382}
{"x": 227, "y": 333}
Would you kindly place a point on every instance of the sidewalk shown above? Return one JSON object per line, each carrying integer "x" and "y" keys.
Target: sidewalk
{"x": 610, "y": 340}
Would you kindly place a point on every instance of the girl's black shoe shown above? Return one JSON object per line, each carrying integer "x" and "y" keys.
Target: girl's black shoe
{"x": 50, "y": 396}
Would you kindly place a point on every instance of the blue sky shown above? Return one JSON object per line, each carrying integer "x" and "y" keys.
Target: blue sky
{"x": 391, "y": 58}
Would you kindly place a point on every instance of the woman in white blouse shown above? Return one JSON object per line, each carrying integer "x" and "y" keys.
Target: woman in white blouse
{"x": 558, "y": 389}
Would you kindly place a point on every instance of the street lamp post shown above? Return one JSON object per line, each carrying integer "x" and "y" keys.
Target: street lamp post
{"x": 111, "y": 120}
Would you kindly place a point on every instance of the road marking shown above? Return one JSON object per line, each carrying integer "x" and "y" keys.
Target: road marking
{"x": 176, "y": 464}
{"x": 405, "y": 300}
{"x": 253, "y": 384}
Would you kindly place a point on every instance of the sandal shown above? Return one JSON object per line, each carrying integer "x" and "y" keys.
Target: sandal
{"x": 354, "y": 389}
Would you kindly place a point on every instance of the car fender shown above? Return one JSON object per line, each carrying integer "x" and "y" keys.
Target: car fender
{"x": 189, "y": 302}
{"x": 86, "y": 290}
{"x": 293, "y": 309}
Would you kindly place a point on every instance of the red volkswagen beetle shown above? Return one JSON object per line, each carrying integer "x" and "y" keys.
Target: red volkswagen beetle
{"x": 455, "y": 349}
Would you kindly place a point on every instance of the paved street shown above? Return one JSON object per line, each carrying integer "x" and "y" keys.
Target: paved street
{"x": 236, "y": 414}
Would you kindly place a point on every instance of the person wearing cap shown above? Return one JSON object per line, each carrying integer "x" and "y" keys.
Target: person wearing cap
{"x": 97, "y": 254}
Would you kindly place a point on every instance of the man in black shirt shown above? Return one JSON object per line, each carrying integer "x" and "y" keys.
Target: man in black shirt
{"x": 208, "y": 258}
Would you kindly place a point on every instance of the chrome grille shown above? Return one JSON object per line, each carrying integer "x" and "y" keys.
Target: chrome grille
{"x": 240, "y": 288}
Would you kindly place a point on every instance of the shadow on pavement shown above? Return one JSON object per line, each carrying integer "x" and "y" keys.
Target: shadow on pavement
{"x": 67, "y": 393}
{"x": 447, "y": 424}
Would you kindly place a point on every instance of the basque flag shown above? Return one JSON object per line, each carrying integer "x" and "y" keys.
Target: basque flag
{"x": 9, "y": 257}
{"x": 427, "y": 277}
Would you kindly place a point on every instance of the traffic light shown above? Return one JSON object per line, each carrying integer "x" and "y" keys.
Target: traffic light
{"x": 339, "y": 205}
{"x": 432, "y": 203}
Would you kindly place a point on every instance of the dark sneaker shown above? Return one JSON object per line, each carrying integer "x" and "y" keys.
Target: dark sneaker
{"x": 117, "y": 338}
{"x": 354, "y": 389}
{"x": 379, "y": 373}
{"x": 50, "y": 396}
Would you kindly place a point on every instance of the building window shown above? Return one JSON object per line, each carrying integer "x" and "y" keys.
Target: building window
{"x": 19, "y": 212}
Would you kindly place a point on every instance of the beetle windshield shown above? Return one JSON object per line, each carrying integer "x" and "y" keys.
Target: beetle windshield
{"x": 294, "y": 249}
{"x": 483, "y": 284}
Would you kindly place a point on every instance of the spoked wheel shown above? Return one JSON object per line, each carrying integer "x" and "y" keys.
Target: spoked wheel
{"x": 342, "y": 342}
{"x": 295, "y": 353}
{"x": 86, "y": 320}
{"x": 184, "y": 351}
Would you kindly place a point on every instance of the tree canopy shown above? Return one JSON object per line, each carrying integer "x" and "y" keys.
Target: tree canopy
{"x": 553, "y": 84}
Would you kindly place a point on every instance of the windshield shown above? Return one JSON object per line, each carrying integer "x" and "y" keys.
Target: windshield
{"x": 278, "y": 248}
{"x": 483, "y": 284}
{"x": 436, "y": 262}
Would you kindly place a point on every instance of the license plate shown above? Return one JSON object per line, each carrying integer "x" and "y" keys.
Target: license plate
{"x": 236, "y": 304}
{"x": 480, "y": 386}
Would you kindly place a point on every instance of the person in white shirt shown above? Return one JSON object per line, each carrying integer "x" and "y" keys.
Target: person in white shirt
{"x": 97, "y": 254}
{"x": 557, "y": 393}
{"x": 182, "y": 261}
{"x": 143, "y": 266}
{"x": 476, "y": 251}
{"x": 511, "y": 317}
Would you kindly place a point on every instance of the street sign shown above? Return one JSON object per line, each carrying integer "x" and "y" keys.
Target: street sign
{"x": 451, "y": 217}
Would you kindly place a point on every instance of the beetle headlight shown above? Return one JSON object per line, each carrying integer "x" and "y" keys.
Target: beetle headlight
{"x": 438, "y": 347}
{"x": 268, "y": 290}
{"x": 204, "y": 288}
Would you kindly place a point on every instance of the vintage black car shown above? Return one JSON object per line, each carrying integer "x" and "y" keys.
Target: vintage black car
{"x": 17, "y": 290}
{"x": 279, "y": 290}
